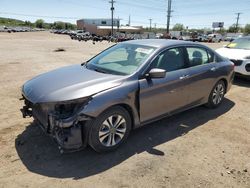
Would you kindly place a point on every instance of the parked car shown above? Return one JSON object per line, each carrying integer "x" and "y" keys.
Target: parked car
{"x": 230, "y": 38}
{"x": 75, "y": 35}
{"x": 124, "y": 87}
{"x": 214, "y": 37}
{"x": 238, "y": 51}
{"x": 202, "y": 38}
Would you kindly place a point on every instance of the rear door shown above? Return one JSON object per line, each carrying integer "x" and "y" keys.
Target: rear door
{"x": 202, "y": 73}
{"x": 163, "y": 95}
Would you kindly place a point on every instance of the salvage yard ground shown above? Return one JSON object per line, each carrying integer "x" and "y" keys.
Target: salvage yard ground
{"x": 197, "y": 148}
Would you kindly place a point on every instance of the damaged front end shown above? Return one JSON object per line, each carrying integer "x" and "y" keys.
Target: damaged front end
{"x": 62, "y": 120}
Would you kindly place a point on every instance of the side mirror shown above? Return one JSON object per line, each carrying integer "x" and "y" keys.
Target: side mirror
{"x": 157, "y": 73}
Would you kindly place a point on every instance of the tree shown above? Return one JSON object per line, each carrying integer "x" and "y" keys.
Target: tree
{"x": 59, "y": 25}
{"x": 222, "y": 31}
{"x": 39, "y": 23}
{"x": 70, "y": 26}
{"x": 232, "y": 29}
{"x": 178, "y": 27}
{"x": 27, "y": 23}
{"x": 247, "y": 29}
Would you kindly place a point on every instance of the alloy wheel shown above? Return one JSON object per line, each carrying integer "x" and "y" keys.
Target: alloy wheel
{"x": 218, "y": 94}
{"x": 112, "y": 130}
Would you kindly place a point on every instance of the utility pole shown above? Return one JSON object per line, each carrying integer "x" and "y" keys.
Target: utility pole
{"x": 112, "y": 16}
{"x": 155, "y": 25}
{"x": 129, "y": 21}
{"x": 169, "y": 14}
{"x": 118, "y": 24}
{"x": 237, "y": 21}
{"x": 150, "y": 23}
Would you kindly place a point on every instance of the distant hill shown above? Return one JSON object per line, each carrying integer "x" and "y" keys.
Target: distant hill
{"x": 13, "y": 22}
{"x": 39, "y": 24}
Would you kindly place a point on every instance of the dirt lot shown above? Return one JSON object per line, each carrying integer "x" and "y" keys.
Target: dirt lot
{"x": 197, "y": 148}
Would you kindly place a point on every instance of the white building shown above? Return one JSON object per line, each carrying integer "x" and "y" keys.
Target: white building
{"x": 103, "y": 26}
{"x": 99, "y": 22}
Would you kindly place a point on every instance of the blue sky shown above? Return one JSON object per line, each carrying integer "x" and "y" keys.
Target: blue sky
{"x": 191, "y": 13}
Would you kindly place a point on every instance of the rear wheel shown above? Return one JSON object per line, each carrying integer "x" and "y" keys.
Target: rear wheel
{"x": 110, "y": 129}
{"x": 217, "y": 95}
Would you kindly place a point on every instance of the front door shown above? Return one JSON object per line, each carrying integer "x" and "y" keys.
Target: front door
{"x": 160, "y": 96}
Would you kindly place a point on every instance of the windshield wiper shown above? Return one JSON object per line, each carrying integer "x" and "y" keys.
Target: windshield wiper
{"x": 99, "y": 70}
{"x": 84, "y": 63}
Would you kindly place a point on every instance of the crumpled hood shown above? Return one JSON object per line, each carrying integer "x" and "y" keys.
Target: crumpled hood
{"x": 68, "y": 83}
{"x": 233, "y": 53}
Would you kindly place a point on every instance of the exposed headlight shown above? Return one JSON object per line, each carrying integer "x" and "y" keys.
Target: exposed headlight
{"x": 66, "y": 109}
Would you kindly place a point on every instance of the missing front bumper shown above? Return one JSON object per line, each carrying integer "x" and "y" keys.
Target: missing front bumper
{"x": 69, "y": 133}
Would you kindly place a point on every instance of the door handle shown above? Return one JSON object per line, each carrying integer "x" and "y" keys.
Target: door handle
{"x": 213, "y": 69}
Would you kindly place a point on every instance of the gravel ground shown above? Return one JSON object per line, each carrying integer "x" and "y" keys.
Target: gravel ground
{"x": 197, "y": 148}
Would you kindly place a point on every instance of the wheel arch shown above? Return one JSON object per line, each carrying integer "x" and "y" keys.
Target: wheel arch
{"x": 130, "y": 111}
{"x": 126, "y": 107}
{"x": 225, "y": 83}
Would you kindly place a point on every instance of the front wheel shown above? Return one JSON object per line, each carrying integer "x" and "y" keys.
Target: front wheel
{"x": 217, "y": 95}
{"x": 110, "y": 129}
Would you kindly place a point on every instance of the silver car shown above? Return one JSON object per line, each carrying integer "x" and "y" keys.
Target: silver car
{"x": 126, "y": 86}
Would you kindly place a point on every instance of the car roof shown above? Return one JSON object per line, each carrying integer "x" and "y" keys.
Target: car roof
{"x": 161, "y": 43}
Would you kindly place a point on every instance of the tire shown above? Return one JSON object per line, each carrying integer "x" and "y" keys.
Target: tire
{"x": 217, "y": 95}
{"x": 105, "y": 134}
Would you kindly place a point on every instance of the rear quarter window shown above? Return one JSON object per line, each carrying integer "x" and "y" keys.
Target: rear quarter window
{"x": 213, "y": 58}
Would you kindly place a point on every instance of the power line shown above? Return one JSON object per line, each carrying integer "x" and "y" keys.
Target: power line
{"x": 75, "y": 18}
{"x": 39, "y": 16}
{"x": 151, "y": 8}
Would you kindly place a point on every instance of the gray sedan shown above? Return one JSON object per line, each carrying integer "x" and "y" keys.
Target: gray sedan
{"x": 124, "y": 87}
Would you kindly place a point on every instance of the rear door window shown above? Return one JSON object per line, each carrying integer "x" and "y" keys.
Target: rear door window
{"x": 198, "y": 56}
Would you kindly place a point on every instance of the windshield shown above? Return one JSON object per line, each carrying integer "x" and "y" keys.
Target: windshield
{"x": 240, "y": 43}
{"x": 121, "y": 59}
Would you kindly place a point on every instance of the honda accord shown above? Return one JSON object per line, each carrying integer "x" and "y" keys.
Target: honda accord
{"x": 126, "y": 86}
